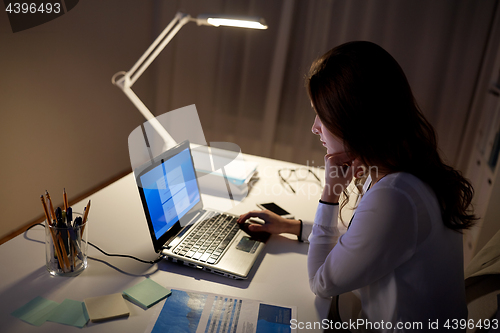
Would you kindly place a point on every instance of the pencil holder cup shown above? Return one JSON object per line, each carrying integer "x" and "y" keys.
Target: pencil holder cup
{"x": 66, "y": 247}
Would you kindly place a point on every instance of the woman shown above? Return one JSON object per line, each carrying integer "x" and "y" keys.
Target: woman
{"x": 403, "y": 248}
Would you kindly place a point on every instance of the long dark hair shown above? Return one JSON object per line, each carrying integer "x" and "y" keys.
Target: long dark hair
{"x": 362, "y": 96}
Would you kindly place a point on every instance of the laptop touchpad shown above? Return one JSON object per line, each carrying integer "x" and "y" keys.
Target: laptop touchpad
{"x": 248, "y": 245}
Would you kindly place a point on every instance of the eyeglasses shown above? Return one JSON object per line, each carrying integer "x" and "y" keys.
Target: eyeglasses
{"x": 300, "y": 174}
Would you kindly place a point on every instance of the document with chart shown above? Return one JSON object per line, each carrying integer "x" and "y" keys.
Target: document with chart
{"x": 185, "y": 311}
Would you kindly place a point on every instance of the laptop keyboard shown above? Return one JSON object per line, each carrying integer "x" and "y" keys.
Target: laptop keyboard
{"x": 209, "y": 238}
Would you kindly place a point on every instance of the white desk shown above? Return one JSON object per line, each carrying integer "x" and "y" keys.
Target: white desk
{"x": 117, "y": 225}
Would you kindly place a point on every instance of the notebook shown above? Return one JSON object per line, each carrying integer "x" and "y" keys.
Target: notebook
{"x": 182, "y": 230}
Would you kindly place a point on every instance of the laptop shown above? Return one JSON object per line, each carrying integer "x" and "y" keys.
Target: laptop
{"x": 182, "y": 230}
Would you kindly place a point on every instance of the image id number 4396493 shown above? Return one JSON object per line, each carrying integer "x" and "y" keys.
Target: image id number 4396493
{"x": 471, "y": 324}
{"x": 32, "y": 8}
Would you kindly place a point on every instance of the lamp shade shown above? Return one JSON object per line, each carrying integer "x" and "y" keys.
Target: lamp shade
{"x": 216, "y": 20}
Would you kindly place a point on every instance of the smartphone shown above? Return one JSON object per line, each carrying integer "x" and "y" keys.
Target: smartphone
{"x": 275, "y": 209}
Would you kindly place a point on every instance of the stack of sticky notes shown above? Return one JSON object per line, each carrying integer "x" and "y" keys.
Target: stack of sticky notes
{"x": 70, "y": 312}
{"x": 106, "y": 307}
{"x": 146, "y": 293}
{"x": 39, "y": 310}
{"x": 76, "y": 313}
{"x": 36, "y": 311}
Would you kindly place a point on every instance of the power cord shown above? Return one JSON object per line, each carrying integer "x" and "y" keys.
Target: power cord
{"x": 126, "y": 255}
{"x": 111, "y": 254}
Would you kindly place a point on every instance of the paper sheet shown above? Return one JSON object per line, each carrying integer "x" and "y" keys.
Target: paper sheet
{"x": 185, "y": 311}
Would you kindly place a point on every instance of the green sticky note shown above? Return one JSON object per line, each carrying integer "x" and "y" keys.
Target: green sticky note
{"x": 36, "y": 311}
{"x": 146, "y": 293}
{"x": 70, "y": 312}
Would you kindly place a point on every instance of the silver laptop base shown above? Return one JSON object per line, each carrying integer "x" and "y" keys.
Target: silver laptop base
{"x": 207, "y": 269}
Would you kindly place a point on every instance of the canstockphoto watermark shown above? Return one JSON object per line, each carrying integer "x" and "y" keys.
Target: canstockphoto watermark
{"x": 430, "y": 325}
{"x": 357, "y": 324}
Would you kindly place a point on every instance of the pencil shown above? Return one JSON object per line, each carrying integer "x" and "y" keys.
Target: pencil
{"x": 57, "y": 247}
{"x": 45, "y": 210}
{"x": 52, "y": 211}
{"x": 63, "y": 252}
{"x": 85, "y": 215}
{"x": 65, "y": 200}
{"x": 52, "y": 233}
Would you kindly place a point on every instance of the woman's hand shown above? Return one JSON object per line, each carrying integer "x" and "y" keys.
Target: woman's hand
{"x": 340, "y": 168}
{"x": 274, "y": 224}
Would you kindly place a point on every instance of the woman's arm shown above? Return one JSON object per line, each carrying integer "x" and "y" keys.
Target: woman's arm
{"x": 274, "y": 223}
{"x": 382, "y": 236}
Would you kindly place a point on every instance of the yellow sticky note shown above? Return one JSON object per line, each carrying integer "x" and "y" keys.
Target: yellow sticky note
{"x": 106, "y": 307}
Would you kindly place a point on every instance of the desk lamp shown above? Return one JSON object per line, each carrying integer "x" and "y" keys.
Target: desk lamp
{"x": 127, "y": 79}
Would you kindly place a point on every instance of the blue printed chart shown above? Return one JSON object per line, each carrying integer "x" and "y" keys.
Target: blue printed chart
{"x": 193, "y": 312}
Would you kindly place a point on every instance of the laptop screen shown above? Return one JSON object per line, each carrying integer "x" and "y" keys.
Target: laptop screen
{"x": 170, "y": 190}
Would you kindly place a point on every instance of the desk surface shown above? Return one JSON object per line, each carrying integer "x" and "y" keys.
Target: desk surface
{"x": 117, "y": 225}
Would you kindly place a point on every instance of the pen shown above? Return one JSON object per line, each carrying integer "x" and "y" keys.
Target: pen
{"x": 72, "y": 256}
{"x": 69, "y": 216}
{"x": 74, "y": 243}
{"x": 59, "y": 218}
{"x": 78, "y": 222}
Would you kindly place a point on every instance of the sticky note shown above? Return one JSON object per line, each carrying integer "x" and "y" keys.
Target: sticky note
{"x": 36, "y": 311}
{"x": 146, "y": 293}
{"x": 70, "y": 312}
{"x": 106, "y": 307}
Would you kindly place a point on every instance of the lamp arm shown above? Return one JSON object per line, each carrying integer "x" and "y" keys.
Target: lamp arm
{"x": 152, "y": 120}
{"x": 128, "y": 78}
{"x": 158, "y": 39}
{"x": 164, "y": 41}
{"x": 158, "y": 45}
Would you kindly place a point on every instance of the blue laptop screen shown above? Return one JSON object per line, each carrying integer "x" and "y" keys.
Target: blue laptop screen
{"x": 170, "y": 190}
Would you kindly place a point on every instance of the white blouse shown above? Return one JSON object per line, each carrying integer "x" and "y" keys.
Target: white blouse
{"x": 405, "y": 263}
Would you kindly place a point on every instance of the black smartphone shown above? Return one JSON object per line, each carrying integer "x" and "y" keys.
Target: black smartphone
{"x": 275, "y": 209}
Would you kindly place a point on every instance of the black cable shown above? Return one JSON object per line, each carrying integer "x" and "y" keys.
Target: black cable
{"x": 111, "y": 255}
{"x": 127, "y": 256}
{"x": 34, "y": 225}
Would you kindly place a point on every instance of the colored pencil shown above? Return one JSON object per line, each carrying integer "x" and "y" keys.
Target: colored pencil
{"x": 45, "y": 210}
{"x": 65, "y": 200}
{"x": 52, "y": 211}
{"x": 85, "y": 215}
{"x": 52, "y": 233}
